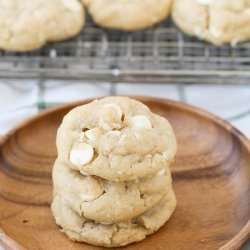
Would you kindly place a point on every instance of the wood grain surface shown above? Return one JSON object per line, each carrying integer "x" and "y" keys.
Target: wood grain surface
{"x": 211, "y": 177}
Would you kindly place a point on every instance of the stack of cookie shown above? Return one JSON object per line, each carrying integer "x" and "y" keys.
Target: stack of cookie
{"x": 112, "y": 183}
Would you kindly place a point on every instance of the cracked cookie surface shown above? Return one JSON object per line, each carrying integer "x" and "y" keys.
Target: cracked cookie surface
{"x": 80, "y": 229}
{"x": 28, "y": 25}
{"x": 217, "y": 21}
{"x": 106, "y": 201}
{"x": 116, "y": 138}
{"x": 127, "y": 14}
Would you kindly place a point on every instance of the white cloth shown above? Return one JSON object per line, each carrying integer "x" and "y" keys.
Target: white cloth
{"x": 22, "y": 99}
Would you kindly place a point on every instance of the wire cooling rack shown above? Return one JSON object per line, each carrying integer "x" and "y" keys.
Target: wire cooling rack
{"x": 161, "y": 54}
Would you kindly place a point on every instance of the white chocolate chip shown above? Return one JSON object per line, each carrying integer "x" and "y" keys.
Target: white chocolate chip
{"x": 161, "y": 172}
{"x": 87, "y": 197}
{"x": 110, "y": 117}
{"x": 71, "y": 5}
{"x": 140, "y": 121}
{"x": 93, "y": 134}
{"x": 115, "y": 107}
{"x": 165, "y": 155}
{"x": 214, "y": 32}
{"x": 198, "y": 32}
{"x": 105, "y": 223}
{"x": 81, "y": 154}
{"x": 84, "y": 173}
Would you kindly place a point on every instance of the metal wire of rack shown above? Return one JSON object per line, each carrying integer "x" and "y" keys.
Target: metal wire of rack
{"x": 161, "y": 54}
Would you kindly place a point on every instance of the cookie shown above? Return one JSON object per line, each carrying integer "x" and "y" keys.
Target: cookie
{"x": 80, "y": 229}
{"x": 217, "y": 21}
{"x": 116, "y": 138}
{"x": 126, "y": 14}
{"x": 95, "y": 198}
{"x": 28, "y": 25}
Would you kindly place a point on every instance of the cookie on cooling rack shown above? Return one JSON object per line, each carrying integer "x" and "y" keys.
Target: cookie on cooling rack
{"x": 115, "y": 138}
{"x": 28, "y": 25}
{"x": 126, "y": 14}
{"x": 80, "y": 229}
{"x": 95, "y": 198}
{"x": 217, "y": 21}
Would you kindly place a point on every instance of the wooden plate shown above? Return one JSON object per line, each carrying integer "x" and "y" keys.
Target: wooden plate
{"x": 211, "y": 179}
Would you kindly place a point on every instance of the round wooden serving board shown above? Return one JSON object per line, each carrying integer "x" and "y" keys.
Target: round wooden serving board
{"x": 211, "y": 178}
